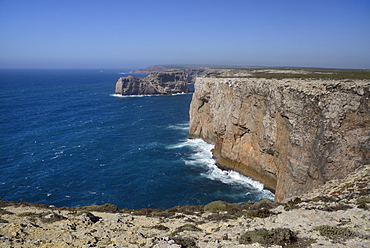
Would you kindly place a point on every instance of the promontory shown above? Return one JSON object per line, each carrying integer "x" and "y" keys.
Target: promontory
{"x": 291, "y": 130}
{"x": 156, "y": 83}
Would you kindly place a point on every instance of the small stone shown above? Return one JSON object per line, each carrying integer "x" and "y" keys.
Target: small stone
{"x": 336, "y": 218}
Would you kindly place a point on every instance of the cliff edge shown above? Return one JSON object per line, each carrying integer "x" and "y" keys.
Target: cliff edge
{"x": 335, "y": 215}
{"x": 291, "y": 134}
{"x": 162, "y": 83}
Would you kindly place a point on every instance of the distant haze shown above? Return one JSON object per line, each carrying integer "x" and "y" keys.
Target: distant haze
{"x": 136, "y": 34}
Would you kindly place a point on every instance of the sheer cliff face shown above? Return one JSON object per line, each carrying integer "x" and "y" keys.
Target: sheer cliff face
{"x": 292, "y": 135}
{"x": 162, "y": 83}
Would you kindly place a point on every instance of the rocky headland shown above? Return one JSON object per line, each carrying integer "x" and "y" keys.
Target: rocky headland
{"x": 292, "y": 134}
{"x": 191, "y": 71}
{"x": 156, "y": 83}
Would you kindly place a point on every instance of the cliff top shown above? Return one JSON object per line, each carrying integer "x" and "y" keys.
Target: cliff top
{"x": 274, "y": 73}
{"x": 336, "y": 215}
{"x": 160, "y": 68}
{"x": 262, "y": 72}
{"x": 311, "y": 86}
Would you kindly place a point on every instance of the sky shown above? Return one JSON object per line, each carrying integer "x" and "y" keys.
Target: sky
{"x": 139, "y": 33}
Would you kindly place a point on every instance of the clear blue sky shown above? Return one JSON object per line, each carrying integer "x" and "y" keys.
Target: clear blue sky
{"x": 139, "y": 33}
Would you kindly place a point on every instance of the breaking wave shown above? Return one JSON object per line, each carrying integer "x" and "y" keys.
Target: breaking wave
{"x": 124, "y": 96}
{"x": 201, "y": 157}
{"x": 182, "y": 127}
{"x": 175, "y": 94}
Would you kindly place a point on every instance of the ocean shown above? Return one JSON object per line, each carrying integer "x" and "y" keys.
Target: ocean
{"x": 67, "y": 140}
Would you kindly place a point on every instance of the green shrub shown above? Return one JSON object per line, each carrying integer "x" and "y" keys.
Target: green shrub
{"x": 26, "y": 214}
{"x": 278, "y": 236}
{"x": 109, "y": 208}
{"x": 187, "y": 227}
{"x": 51, "y": 217}
{"x": 335, "y": 233}
{"x": 47, "y": 217}
{"x": 264, "y": 203}
{"x": 185, "y": 242}
{"x": 216, "y": 206}
{"x": 161, "y": 227}
{"x": 259, "y": 213}
{"x": 363, "y": 206}
{"x": 363, "y": 200}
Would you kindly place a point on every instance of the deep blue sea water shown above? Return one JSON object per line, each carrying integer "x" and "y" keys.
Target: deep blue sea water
{"x": 66, "y": 140}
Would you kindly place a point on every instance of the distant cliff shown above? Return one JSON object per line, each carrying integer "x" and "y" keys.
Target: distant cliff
{"x": 162, "y": 83}
{"x": 291, "y": 134}
{"x": 191, "y": 71}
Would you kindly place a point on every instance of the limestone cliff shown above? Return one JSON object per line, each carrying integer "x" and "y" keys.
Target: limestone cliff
{"x": 291, "y": 134}
{"x": 162, "y": 83}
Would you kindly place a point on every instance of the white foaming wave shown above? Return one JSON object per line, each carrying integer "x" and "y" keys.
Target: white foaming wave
{"x": 180, "y": 126}
{"x": 232, "y": 177}
{"x": 124, "y": 96}
{"x": 175, "y": 94}
{"x": 181, "y": 93}
{"x": 268, "y": 194}
{"x": 202, "y": 157}
{"x": 154, "y": 145}
{"x": 196, "y": 145}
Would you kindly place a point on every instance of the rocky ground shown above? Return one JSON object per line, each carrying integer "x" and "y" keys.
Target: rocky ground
{"x": 336, "y": 215}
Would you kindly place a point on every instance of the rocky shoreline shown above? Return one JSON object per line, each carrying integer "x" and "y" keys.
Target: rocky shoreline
{"x": 334, "y": 215}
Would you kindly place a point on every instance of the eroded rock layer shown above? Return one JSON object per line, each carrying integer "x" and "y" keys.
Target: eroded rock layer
{"x": 163, "y": 83}
{"x": 291, "y": 134}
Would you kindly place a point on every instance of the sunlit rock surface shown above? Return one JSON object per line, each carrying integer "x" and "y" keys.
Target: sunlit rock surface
{"x": 291, "y": 134}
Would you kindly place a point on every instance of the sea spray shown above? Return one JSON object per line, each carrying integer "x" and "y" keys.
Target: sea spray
{"x": 202, "y": 157}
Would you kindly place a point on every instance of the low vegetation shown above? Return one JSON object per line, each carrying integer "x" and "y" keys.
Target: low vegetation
{"x": 299, "y": 73}
{"x": 318, "y": 74}
{"x": 335, "y": 233}
{"x": 363, "y": 203}
{"x": 186, "y": 227}
{"x": 109, "y": 208}
{"x": 278, "y": 236}
{"x": 185, "y": 242}
{"x": 46, "y": 217}
{"x": 259, "y": 213}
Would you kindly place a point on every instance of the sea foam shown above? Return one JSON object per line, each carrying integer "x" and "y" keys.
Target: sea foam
{"x": 175, "y": 94}
{"x": 202, "y": 157}
{"x": 124, "y": 96}
{"x": 181, "y": 126}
